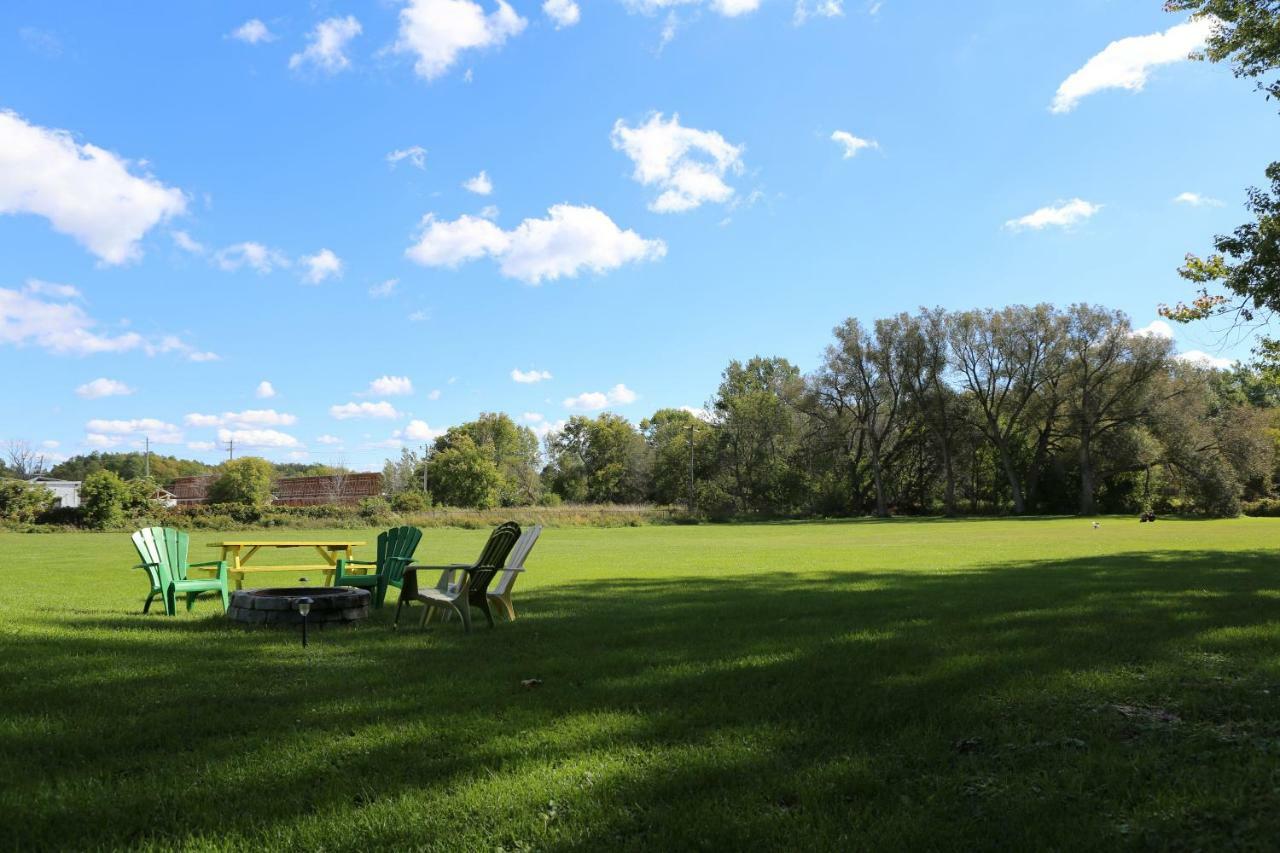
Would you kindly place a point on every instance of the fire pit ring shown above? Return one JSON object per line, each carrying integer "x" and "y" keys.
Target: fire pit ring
{"x": 330, "y": 606}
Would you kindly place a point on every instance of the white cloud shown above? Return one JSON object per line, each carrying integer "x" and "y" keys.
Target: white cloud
{"x": 201, "y": 445}
{"x": 698, "y": 412}
{"x": 258, "y": 438}
{"x": 434, "y": 395}
{"x": 592, "y": 401}
{"x": 244, "y": 420}
{"x": 1203, "y": 359}
{"x": 1127, "y": 63}
{"x": 420, "y": 431}
{"x": 116, "y": 431}
{"x": 532, "y": 417}
{"x": 326, "y": 45}
{"x": 437, "y": 31}
{"x": 50, "y": 444}
{"x": 172, "y": 343}
{"x": 419, "y": 316}
{"x": 253, "y": 255}
{"x": 530, "y": 376}
{"x": 49, "y": 288}
{"x": 329, "y": 440}
{"x": 59, "y": 327}
{"x": 390, "y": 386}
{"x": 1155, "y": 329}
{"x": 569, "y": 240}
{"x": 265, "y": 390}
{"x": 252, "y": 31}
{"x": 727, "y": 8}
{"x": 686, "y": 164}
{"x": 480, "y": 184}
{"x": 564, "y": 12}
{"x": 84, "y": 191}
{"x": 852, "y": 144}
{"x": 103, "y": 388}
{"x": 448, "y": 244}
{"x": 545, "y": 428}
{"x": 415, "y": 154}
{"x": 489, "y": 211}
{"x": 320, "y": 266}
{"x": 186, "y": 243}
{"x": 385, "y": 289}
{"x": 346, "y": 411}
{"x": 806, "y": 9}
{"x": 1063, "y": 215}
{"x": 1196, "y": 200}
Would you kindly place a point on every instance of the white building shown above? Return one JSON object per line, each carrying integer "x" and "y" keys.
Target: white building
{"x": 66, "y": 491}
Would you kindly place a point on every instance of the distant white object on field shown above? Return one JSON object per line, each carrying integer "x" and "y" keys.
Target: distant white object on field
{"x": 1096, "y": 525}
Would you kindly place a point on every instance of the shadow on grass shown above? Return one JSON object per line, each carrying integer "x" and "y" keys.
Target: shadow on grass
{"x": 1117, "y": 699}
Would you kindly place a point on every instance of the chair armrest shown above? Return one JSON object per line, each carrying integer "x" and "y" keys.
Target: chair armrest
{"x": 347, "y": 562}
{"x": 146, "y": 566}
{"x": 444, "y": 566}
{"x": 206, "y": 565}
{"x": 513, "y": 571}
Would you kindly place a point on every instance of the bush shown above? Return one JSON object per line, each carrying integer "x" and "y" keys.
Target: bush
{"x": 375, "y": 510}
{"x": 409, "y": 502}
{"x": 550, "y": 499}
{"x": 102, "y": 499}
{"x": 23, "y": 502}
{"x": 245, "y": 481}
{"x": 1263, "y": 508}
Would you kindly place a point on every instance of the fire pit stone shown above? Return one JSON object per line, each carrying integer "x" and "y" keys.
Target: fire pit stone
{"x": 279, "y": 607}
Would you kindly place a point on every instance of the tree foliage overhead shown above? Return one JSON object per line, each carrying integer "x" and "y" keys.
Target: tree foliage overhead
{"x": 1245, "y": 263}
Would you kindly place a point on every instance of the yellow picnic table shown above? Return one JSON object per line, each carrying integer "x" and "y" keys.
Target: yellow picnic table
{"x": 238, "y": 553}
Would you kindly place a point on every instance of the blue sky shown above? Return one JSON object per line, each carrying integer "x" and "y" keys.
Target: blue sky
{"x": 192, "y": 203}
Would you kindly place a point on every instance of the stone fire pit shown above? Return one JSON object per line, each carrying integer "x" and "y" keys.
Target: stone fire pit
{"x": 279, "y": 607}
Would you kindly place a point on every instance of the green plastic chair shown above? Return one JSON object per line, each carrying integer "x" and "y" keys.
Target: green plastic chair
{"x": 164, "y": 552}
{"x": 395, "y": 553}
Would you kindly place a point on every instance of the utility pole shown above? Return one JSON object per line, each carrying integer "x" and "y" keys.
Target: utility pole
{"x": 146, "y": 465}
{"x": 231, "y": 449}
{"x": 426, "y": 454}
{"x": 690, "y": 468}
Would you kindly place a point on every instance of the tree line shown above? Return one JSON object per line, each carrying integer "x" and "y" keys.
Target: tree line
{"x": 1025, "y": 409}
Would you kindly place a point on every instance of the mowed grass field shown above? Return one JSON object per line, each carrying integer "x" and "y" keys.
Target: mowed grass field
{"x": 1025, "y": 684}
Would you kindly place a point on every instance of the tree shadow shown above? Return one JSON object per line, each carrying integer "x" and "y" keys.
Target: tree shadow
{"x": 1102, "y": 700}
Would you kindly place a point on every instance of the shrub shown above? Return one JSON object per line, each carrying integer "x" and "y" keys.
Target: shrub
{"x": 409, "y": 502}
{"x": 102, "y": 499}
{"x": 245, "y": 481}
{"x": 375, "y": 510}
{"x": 22, "y": 502}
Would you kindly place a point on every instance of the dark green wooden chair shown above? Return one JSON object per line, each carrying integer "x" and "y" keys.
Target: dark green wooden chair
{"x": 471, "y": 591}
{"x": 164, "y": 553}
{"x": 395, "y": 553}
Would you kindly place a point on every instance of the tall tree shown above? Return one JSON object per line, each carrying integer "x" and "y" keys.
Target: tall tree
{"x": 862, "y": 381}
{"x": 757, "y": 408}
{"x": 1004, "y": 359}
{"x": 1111, "y": 372}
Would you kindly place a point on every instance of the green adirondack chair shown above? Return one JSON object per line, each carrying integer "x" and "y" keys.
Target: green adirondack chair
{"x": 395, "y": 552}
{"x": 164, "y": 552}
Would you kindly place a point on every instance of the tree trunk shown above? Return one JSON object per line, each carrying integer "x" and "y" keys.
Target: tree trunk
{"x": 949, "y": 495}
{"x": 882, "y": 510}
{"x": 1087, "y": 504}
{"x": 1011, "y": 474}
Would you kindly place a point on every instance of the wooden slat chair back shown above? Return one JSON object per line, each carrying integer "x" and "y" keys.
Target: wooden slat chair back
{"x": 395, "y": 553}
{"x": 500, "y": 594}
{"x": 165, "y": 554}
{"x": 492, "y": 560}
{"x": 400, "y": 545}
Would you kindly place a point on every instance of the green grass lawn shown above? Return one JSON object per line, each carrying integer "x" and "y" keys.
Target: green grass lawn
{"x": 864, "y": 685}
